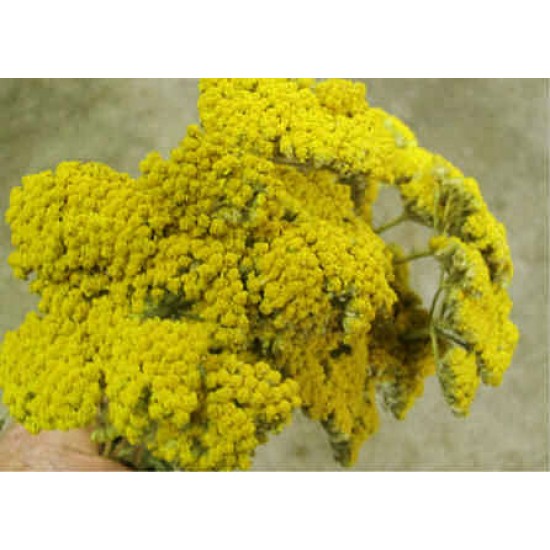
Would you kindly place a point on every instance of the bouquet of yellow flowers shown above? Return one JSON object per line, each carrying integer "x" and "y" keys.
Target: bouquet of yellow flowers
{"x": 186, "y": 313}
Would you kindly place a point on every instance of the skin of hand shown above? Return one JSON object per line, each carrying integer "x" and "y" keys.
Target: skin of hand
{"x": 52, "y": 451}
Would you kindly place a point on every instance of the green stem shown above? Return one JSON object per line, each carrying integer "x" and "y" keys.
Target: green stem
{"x": 435, "y": 345}
{"x": 418, "y": 334}
{"x": 107, "y": 448}
{"x": 451, "y": 335}
{"x": 434, "y": 302}
{"x": 358, "y": 188}
{"x": 433, "y": 328}
{"x": 436, "y": 208}
{"x": 446, "y": 213}
{"x": 138, "y": 456}
{"x": 431, "y": 331}
{"x": 416, "y": 255}
{"x": 302, "y": 166}
{"x": 441, "y": 286}
{"x": 392, "y": 223}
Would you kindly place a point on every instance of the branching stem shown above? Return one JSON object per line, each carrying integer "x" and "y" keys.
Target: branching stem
{"x": 450, "y": 335}
{"x": 435, "y": 345}
{"x": 438, "y": 292}
{"x": 415, "y": 256}
{"x": 392, "y": 223}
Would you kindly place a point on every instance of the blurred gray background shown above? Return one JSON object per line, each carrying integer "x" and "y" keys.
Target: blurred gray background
{"x": 494, "y": 130}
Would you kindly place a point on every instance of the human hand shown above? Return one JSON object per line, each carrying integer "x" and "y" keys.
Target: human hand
{"x": 52, "y": 451}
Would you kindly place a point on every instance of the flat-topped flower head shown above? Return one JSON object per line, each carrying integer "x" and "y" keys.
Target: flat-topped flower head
{"x": 187, "y": 312}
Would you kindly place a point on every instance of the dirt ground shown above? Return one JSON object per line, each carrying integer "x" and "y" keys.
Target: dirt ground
{"x": 494, "y": 130}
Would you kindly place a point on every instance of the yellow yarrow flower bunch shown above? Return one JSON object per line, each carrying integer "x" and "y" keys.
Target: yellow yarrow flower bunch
{"x": 186, "y": 313}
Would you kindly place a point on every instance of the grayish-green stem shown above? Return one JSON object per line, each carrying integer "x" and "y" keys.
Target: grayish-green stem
{"x": 392, "y": 223}
{"x": 415, "y": 256}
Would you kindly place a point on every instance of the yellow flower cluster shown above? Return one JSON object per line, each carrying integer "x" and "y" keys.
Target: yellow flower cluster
{"x": 475, "y": 257}
{"x": 320, "y": 125}
{"x": 475, "y": 309}
{"x": 82, "y": 232}
{"x": 166, "y": 389}
{"x": 187, "y": 312}
{"x": 458, "y": 376}
{"x": 437, "y": 194}
{"x": 399, "y": 364}
{"x": 48, "y": 376}
{"x": 310, "y": 267}
{"x": 337, "y": 389}
{"x": 192, "y": 408}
